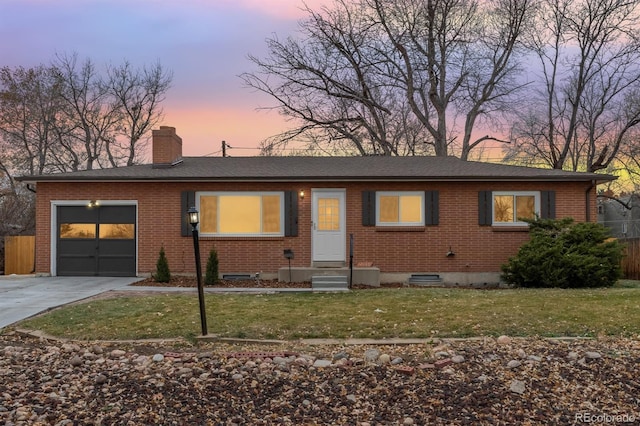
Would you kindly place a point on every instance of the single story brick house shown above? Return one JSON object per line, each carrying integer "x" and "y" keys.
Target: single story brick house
{"x": 391, "y": 216}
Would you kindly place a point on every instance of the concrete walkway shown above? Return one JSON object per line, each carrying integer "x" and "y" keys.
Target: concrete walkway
{"x": 22, "y": 296}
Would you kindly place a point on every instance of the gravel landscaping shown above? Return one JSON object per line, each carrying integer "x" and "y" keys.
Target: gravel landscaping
{"x": 485, "y": 381}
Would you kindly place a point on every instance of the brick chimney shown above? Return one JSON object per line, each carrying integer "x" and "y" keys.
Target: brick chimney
{"x": 167, "y": 147}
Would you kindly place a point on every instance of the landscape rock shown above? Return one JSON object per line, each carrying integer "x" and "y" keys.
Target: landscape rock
{"x": 514, "y": 364}
{"x": 39, "y": 385}
{"x": 371, "y": 355}
{"x": 518, "y": 386}
{"x": 504, "y": 340}
{"x": 340, "y": 355}
{"x": 457, "y": 359}
{"x": 397, "y": 361}
{"x": 117, "y": 353}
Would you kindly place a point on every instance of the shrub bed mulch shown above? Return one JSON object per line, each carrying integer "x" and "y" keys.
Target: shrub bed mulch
{"x": 188, "y": 281}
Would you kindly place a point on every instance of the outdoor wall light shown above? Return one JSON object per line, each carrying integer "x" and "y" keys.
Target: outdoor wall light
{"x": 450, "y": 253}
{"x": 302, "y": 194}
{"x": 92, "y": 204}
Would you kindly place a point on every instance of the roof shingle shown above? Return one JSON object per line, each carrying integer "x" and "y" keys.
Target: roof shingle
{"x": 322, "y": 169}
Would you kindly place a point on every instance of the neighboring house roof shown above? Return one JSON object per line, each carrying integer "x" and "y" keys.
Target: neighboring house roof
{"x": 322, "y": 169}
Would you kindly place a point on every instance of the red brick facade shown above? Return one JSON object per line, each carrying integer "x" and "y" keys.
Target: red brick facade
{"x": 477, "y": 248}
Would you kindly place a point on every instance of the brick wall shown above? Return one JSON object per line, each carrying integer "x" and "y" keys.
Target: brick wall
{"x": 477, "y": 248}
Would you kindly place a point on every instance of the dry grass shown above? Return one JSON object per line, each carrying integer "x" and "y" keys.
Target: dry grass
{"x": 383, "y": 313}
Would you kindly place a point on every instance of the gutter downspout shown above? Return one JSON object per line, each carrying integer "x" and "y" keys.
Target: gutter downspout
{"x": 587, "y": 196}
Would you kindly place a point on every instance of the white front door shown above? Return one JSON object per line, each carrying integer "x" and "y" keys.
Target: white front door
{"x": 328, "y": 226}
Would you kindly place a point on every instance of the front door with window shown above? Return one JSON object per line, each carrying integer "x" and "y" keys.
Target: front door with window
{"x": 328, "y": 225}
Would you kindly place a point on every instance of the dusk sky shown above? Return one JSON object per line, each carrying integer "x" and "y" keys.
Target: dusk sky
{"x": 205, "y": 43}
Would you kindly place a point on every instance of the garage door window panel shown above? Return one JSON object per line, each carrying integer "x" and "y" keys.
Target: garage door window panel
{"x": 77, "y": 230}
{"x": 117, "y": 231}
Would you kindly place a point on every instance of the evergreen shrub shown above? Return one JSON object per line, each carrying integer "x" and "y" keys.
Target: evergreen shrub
{"x": 211, "y": 274}
{"x": 565, "y": 254}
{"x": 162, "y": 275}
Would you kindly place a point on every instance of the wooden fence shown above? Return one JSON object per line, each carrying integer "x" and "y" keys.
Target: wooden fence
{"x": 631, "y": 260}
{"x": 19, "y": 254}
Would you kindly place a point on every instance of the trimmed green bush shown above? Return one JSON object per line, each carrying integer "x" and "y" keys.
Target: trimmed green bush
{"x": 564, "y": 254}
{"x": 211, "y": 274}
{"x": 162, "y": 275}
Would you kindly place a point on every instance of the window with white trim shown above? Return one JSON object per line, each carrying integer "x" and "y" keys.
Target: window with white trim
{"x": 241, "y": 213}
{"x": 400, "y": 208}
{"x": 510, "y": 207}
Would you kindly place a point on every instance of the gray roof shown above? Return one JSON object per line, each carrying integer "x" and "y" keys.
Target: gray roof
{"x": 322, "y": 169}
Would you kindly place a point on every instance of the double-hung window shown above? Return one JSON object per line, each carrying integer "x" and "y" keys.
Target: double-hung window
{"x": 509, "y": 208}
{"x": 241, "y": 213}
{"x": 400, "y": 208}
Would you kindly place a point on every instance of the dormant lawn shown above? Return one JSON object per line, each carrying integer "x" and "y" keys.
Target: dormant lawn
{"x": 379, "y": 314}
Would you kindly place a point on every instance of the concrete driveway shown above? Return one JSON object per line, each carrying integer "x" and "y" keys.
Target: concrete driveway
{"x": 24, "y": 296}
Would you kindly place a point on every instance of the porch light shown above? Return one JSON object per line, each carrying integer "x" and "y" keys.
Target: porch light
{"x": 302, "y": 194}
{"x": 194, "y": 218}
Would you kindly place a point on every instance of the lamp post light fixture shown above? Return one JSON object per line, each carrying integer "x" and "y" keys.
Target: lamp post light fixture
{"x": 194, "y": 219}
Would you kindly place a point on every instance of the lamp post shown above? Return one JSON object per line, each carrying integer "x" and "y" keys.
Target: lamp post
{"x": 194, "y": 219}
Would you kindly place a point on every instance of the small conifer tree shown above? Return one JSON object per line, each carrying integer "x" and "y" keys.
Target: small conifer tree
{"x": 211, "y": 275}
{"x": 162, "y": 275}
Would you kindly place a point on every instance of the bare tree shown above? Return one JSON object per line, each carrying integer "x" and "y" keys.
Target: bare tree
{"x": 457, "y": 61}
{"x": 588, "y": 100}
{"x": 332, "y": 82}
{"x": 392, "y": 76}
{"x": 67, "y": 116}
{"x": 96, "y": 115}
{"x": 30, "y": 106}
{"x": 138, "y": 94}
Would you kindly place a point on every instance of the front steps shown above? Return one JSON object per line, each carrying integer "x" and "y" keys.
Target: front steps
{"x": 330, "y": 282}
{"x": 361, "y": 275}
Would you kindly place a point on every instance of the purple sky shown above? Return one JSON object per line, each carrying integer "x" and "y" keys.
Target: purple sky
{"x": 204, "y": 42}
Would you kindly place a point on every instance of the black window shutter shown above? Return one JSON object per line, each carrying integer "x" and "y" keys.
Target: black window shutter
{"x": 484, "y": 208}
{"x": 188, "y": 200}
{"x": 291, "y": 214}
{"x": 548, "y": 204}
{"x": 431, "y": 207}
{"x": 368, "y": 208}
